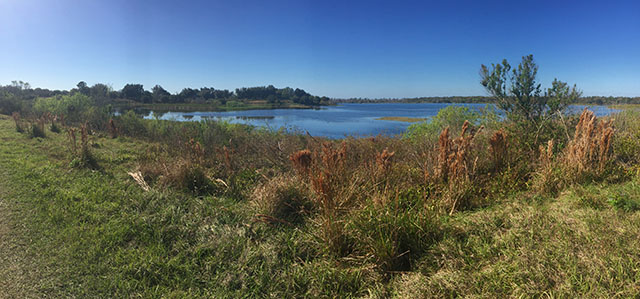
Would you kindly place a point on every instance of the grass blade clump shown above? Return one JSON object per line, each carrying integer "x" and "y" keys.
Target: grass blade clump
{"x": 18, "y": 122}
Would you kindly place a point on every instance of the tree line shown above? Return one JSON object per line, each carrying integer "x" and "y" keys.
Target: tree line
{"x": 12, "y": 95}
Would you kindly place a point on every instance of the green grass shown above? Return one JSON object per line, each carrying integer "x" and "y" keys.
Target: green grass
{"x": 96, "y": 233}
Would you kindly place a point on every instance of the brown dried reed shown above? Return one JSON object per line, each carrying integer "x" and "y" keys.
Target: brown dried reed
{"x": 498, "y": 147}
{"x": 302, "y": 161}
{"x": 453, "y": 155}
{"x": 455, "y": 166}
{"x": 383, "y": 161}
{"x": 590, "y": 149}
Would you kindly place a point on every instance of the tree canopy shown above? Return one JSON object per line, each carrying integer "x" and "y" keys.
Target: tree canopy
{"x": 519, "y": 94}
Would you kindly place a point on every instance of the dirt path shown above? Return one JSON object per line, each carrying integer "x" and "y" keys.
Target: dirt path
{"x": 19, "y": 275}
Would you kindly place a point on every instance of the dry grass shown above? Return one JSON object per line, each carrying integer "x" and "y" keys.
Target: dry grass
{"x": 498, "y": 148}
{"x": 282, "y": 198}
{"x": 455, "y": 167}
{"x": 587, "y": 157}
{"x": 589, "y": 152}
{"x": 302, "y": 162}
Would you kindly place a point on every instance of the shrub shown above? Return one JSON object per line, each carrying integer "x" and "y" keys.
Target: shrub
{"x": 113, "y": 130}
{"x": 54, "y": 128}
{"x": 74, "y": 107}
{"x": 83, "y": 155}
{"x": 450, "y": 116}
{"x": 37, "y": 129}
{"x": 133, "y": 125}
{"x": 9, "y": 103}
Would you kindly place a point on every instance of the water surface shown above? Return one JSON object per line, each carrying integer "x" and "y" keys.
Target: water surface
{"x": 348, "y": 119}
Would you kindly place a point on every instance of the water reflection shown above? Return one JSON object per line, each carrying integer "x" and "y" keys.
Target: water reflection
{"x": 337, "y": 121}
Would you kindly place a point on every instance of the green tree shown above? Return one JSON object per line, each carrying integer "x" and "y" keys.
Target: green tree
{"x": 519, "y": 94}
{"x": 160, "y": 95}
{"x": 83, "y": 88}
{"x": 133, "y": 92}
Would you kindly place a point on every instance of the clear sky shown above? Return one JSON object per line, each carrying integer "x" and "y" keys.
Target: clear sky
{"x": 333, "y": 48}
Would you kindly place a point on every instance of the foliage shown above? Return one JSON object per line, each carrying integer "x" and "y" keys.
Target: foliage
{"x": 520, "y": 95}
{"x": 450, "y": 116}
{"x": 76, "y": 108}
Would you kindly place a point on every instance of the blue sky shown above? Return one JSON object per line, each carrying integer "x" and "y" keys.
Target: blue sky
{"x": 333, "y": 48}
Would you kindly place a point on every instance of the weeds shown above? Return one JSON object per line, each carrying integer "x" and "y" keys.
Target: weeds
{"x": 498, "y": 148}
{"x": 302, "y": 162}
{"x": 282, "y": 198}
{"x": 589, "y": 152}
{"x": 455, "y": 167}
{"x": 83, "y": 155}
{"x": 18, "y": 122}
{"x": 112, "y": 129}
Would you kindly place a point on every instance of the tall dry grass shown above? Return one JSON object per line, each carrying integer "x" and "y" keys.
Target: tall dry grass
{"x": 455, "y": 166}
{"x": 498, "y": 148}
{"x": 589, "y": 152}
{"x": 587, "y": 157}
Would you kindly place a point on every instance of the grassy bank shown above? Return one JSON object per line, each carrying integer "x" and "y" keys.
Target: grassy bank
{"x": 236, "y": 212}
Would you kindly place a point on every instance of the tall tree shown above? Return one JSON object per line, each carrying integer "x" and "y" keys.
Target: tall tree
{"x": 133, "y": 92}
{"x": 160, "y": 95}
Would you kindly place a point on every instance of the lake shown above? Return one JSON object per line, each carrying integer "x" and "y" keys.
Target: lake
{"x": 347, "y": 119}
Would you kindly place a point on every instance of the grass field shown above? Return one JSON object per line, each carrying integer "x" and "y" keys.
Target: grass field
{"x": 71, "y": 231}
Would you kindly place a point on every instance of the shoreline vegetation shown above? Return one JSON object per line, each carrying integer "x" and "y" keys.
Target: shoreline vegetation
{"x": 255, "y": 105}
{"x": 466, "y": 204}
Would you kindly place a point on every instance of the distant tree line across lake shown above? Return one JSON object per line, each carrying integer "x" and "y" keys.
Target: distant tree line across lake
{"x": 13, "y": 96}
{"x": 103, "y": 94}
{"x": 586, "y": 100}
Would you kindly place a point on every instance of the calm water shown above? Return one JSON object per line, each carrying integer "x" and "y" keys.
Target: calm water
{"x": 337, "y": 121}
